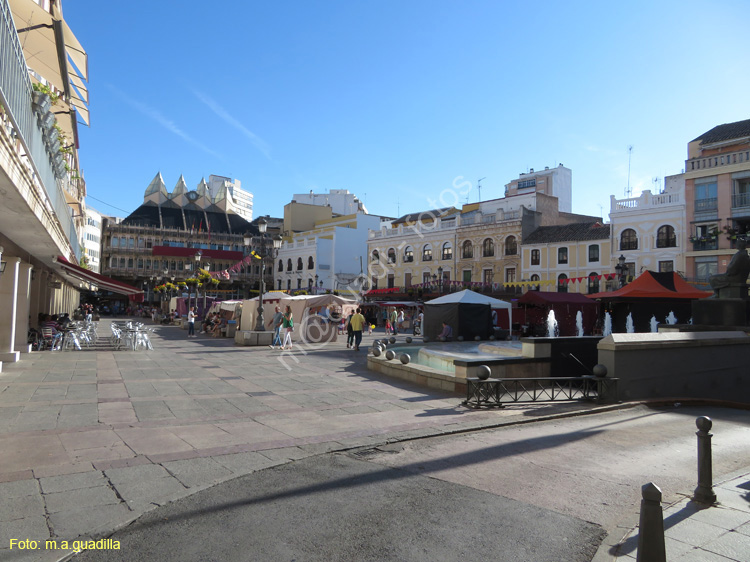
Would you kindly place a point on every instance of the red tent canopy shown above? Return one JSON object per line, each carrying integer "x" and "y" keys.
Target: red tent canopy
{"x": 655, "y": 285}
{"x": 97, "y": 279}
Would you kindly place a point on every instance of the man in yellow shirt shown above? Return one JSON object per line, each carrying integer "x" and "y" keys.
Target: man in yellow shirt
{"x": 357, "y": 323}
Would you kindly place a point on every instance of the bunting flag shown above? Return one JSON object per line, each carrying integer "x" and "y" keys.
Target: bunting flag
{"x": 200, "y": 227}
{"x": 208, "y": 226}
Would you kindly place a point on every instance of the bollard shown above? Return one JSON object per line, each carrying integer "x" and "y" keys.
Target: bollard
{"x": 704, "y": 493}
{"x": 651, "y": 526}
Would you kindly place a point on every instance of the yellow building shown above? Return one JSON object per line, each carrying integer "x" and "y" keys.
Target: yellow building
{"x": 568, "y": 258}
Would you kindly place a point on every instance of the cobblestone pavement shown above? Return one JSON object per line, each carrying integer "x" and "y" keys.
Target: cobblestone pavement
{"x": 92, "y": 439}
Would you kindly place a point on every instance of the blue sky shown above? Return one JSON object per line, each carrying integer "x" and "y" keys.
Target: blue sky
{"x": 399, "y": 101}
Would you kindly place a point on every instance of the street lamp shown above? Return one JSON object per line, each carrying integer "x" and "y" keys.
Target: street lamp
{"x": 440, "y": 280}
{"x": 621, "y": 270}
{"x": 316, "y": 284}
{"x": 264, "y": 252}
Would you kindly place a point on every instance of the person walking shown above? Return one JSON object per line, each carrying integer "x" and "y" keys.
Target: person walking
{"x": 191, "y": 323}
{"x": 394, "y": 321}
{"x": 276, "y": 323}
{"x": 357, "y": 322}
{"x": 287, "y": 324}
{"x": 349, "y": 331}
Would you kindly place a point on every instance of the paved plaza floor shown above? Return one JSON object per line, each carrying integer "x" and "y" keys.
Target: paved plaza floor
{"x": 93, "y": 439}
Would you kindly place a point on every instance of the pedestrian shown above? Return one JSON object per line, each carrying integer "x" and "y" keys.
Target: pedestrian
{"x": 287, "y": 324}
{"x": 349, "y": 331}
{"x": 394, "y": 321}
{"x": 388, "y": 328}
{"x": 400, "y": 321}
{"x": 357, "y": 323}
{"x": 276, "y": 323}
{"x": 191, "y": 323}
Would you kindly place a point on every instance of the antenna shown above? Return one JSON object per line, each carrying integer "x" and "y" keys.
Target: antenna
{"x": 479, "y": 187}
{"x": 628, "y": 191}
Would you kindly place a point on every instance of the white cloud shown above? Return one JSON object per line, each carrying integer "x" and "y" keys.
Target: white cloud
{"x": 256, "y": 141}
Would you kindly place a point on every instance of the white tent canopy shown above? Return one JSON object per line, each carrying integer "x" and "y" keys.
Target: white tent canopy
{"x": 470, "y": 297}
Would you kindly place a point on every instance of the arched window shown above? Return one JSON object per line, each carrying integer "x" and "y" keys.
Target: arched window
{"x": 281, "y": 265}
{"x": 562, "y": 286}
{"x": 408, "y": 254}
{"x": 593, "y": 282}
{"x": 427, "y": 253}
{"x": 391, "y": 255}
{"x": 511, "y": 246}
{"x": 447, "y": 251}
{"x": 299, "y": 264}
{"x": 140, "y": 263}
{"x": 665, "y": 237}
{"x": 488, "y": 248}
{"x": 310, "y": 263}
{"x": 534, "y": 279}
{"x": 468, "y": 250}
{"x": 375, "y": 256}
{"x": 628, "y": 240}
{"x": 130, "y": 263}
{"x": 535, "y": 259}
{"x": 289, "y": 264}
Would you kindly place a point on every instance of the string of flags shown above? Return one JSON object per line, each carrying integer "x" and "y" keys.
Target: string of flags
{"x": 497, "y": 286}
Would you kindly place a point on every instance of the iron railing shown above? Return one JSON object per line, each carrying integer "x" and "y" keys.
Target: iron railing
{"x": 495, "y": 393}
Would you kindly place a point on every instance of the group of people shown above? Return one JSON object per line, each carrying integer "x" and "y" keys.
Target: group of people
{"x": 212, "y": 323}
{"x": 282, "y": 322}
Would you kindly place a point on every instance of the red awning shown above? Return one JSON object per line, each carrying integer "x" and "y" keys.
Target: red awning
{"x": 655, "y": 285}
{"x": 102, "y": 281}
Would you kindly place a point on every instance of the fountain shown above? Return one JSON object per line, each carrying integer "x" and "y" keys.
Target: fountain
{"x": 629, "y": 327}
{"x": 671, "y": 319}
{"x": 654, "y": 324}
{"x": 607, "y": 325}
{"x": 579, "y": 324}
{"x": 552, "y": 329}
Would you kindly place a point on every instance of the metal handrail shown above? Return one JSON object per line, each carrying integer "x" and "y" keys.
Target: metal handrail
{"x": 495, "y": 393}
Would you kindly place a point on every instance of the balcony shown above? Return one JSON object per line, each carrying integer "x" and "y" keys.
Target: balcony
{"x": 740, "y": 200}
{"x": 707, "y": 204}
{"x": 700, "y": 244}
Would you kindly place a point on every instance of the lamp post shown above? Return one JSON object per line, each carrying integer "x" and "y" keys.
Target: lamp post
{"x": 316, "y": 284}
{"x": 621, "y": 270}
{"x": 263, "y": 252}
{"x": 440, "y": 280}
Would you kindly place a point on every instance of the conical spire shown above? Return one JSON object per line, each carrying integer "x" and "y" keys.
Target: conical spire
{"x": 156, "y": 186}
{"x": 202, "y": 188}
{"x": 181, "y": 187}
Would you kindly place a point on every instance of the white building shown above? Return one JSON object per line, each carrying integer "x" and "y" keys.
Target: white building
{"x": 557, "y": 182}
{"x": 92, "y": 236}
{"x": 340, "y": 201}
{"x": 331, "y": 256}
{"x": 649, "y": 230}
{"x": 241, "y": 200}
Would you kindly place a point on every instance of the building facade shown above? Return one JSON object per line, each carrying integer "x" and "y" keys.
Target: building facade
{"x": 568, "y": 258}
{"x": 241, "y": 200}
{"x": 340, "y": 201}
{"x": 41, "y": 215}
{"x": 174, "y": 235}
{"x": 649, "y": 230}
{"x": 92, "y": 240}
{"x": 555, "y": 182}
{"x": 717, "y": 192}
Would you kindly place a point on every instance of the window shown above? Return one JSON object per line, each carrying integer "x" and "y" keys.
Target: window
{"x": 526, "y": 184}
{"x": 131, "y": 243}
{"x": 447, "y": 251}
{"x": 562, "y": 255}
{"x": 115, "y": 242}
{"x": 391, "y": 280}
{"x": 375, "y": 256}
{"x": 408, "y": 254}
{"x": 488, "y": 248}
{"x": 299, "y": 265}
{"x": 427, "y": 253}
{"x": 562, "y": 286}
{"x": 148, "y": 264}
{"x": 488, "y": 219}
{"x": 467, "y": 275}
{"x": 140, "y": 263}
{"x": 535, "y": 257}
{"x": 310, "y": 263}
{"x": 593, "y": 282}
{"x": 666, "y": 266}
{"x": 281, "y": 267}
{"x": 511, "y": 246}
{"x": 426, "y": 278}
{"x": 407, "y": 279}
{"x": 705, "y": 196}
{"x": 391, "y": 255}
{"x": 278, "y": 285}
{"x": 594, "y": 253}
{"x": 130, "y": 263}
{"x": 289, "y": 264}
{"x": 288, "y": 284}
{"x": 534, "y": 278}
{"x": 468, "y": 250}
{"x": 487, "y": 275}
{"x": 374, "y": 282}
{"x": 665, "y": 237}
{"x": 741, "y": 196}
{"x": 628, "y": 240}
{"x": 122, "y": 263}
{"x": 704, "y": 270}
{"x": 510, "y": 275}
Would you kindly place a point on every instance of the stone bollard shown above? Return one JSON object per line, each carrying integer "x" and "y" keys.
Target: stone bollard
{"x": 704, "y": 493}
{"x": 651, "y": 526}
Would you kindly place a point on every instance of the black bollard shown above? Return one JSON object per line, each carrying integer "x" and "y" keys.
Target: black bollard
{"x": 704, "y": 493}
{"x": 651, "y": 527}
